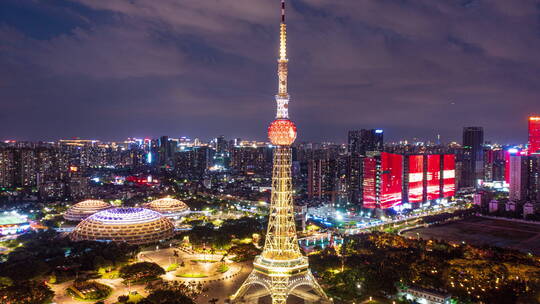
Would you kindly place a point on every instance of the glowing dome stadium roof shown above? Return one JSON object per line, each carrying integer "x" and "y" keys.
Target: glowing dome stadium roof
{"x": 130, "y": 225}
{"x": 169, "y": 207}
{"x": 84, "y": 209}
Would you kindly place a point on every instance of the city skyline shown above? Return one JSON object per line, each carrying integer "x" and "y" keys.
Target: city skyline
{"x": 115, "y": 70}
{"x": 134, "y": 166}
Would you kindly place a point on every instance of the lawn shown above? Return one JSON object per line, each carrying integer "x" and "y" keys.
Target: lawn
{"x": 172, "y": 267}
{"x": 223, "y": 268}
{"x": 111, "y": 275}
{"x": 135, "y": 298}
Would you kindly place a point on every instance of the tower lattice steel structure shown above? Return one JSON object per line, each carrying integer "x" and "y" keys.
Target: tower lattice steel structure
{"x": 281, "y": 269}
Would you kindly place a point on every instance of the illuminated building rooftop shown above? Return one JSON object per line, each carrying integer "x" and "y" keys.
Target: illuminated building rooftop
{"x": 84, "y": 209}
{"x": 12, "y": 223}
{"x": 12, "y": 218}
{"x": 169, "y": 207}
{"x": 130, "y": 225}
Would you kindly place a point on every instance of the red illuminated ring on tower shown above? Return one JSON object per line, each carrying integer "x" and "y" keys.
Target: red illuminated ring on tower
{"x": 282, "y": 132}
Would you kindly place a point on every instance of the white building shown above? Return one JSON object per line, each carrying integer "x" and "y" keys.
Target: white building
{"x": 493, "y": 206}
{"x": 424, "y": 296}
{"x": 478, "y": 199}
{"x": 530, "y": 208}
{"x": 510, "y": 206}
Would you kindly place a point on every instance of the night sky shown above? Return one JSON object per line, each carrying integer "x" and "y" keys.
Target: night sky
{"x": 110, "y": 69}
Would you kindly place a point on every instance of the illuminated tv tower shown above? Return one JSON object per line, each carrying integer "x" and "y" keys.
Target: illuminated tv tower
{"x": 281, "y": 269}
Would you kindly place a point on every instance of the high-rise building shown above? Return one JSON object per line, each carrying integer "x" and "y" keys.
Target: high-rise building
{"x": 245, "y": 159}
{"x": 533, "y": 179}
{"x": 18, "y": 167}
{"x": 524, "y": 177}
{"x": 166, "y": 150}
{"x": 433, "y": 177}
{"x": 315, "y": 179}
{"x": 534, "y": 135}
{"x": 340, "y": 193}
{"x": 192, "y": 162}
{"x": 390, "y": 179}
{"x": 414, "y": 179}
{"x": 321, "y": 178}
{"x": 362, "y": 141}
{"x": 383, "y": 181}
{"x": 323, "y": 169}
{"x": 448, "y": 176}
{"x": 77, "y": 184}
{"x": 281, "y": 268}
{"x": 494, "y": 164}
{"x": 221, "y": 144}
{"x": 7, "y": 168}
{"x": 508, "y": 153}
{"x": 354, "y": 178}
{"x": 473, "y": 156}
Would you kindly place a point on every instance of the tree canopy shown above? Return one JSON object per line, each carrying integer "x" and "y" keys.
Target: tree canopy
{"x": 377, "y": 263}
{"x": 141, "y": 271}
{"x": 167, "y": 296}
{"x": 28, "y": 292}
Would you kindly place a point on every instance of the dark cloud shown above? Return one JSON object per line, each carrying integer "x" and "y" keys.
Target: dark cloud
{"x": 119, "y": 68}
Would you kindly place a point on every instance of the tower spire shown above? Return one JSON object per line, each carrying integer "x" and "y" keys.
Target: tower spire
{"x": 282, "y": 11}
{"x": 283, "y": 35}
{"x": 282, "y": 98}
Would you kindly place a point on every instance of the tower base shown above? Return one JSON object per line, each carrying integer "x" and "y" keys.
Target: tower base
{"x": 272, "y": 278}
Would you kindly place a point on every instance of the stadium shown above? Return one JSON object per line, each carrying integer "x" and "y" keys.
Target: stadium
{"x": 13, "y": 223}
{"x": 84, "y": 209}
{"x": 131, "y": 225}
{"x": 169, "y": 207}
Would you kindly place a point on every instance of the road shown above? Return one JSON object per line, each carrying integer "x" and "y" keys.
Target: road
{"x": 219, "y": 286}
{"x": 221, "y": 290}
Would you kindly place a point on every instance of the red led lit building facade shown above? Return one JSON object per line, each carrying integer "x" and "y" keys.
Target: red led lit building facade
{"x": 507, "y": 166}
{"x": 449, "y": 175}
{"x": 416, "y": 178}
{"x": 433, "y": 177}
{"x": 390, "y": 180}
{"x": 371, "y": 182}
{"x": 383, "y": 180}
{"x": 534, "y": 135}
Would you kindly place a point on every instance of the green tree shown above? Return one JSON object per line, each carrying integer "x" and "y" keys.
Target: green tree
{"x": 5, "y": 282}
{"x": 243, "y": 252}
{"x": 123, "y": 299}
{"x": 167, "y": 296}
{"x": 28, "y": 292}
{"x": 143, "y": 271}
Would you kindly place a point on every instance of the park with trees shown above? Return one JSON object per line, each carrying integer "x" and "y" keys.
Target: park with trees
{"x": 378, "y": 264}
{"x": 39, "y": 257}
